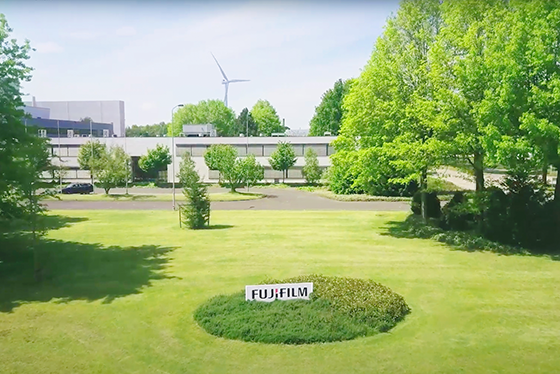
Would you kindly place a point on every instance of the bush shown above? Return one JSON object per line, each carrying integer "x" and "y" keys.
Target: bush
{"x": 458, "y": 214}
{"x": 433, "y": 205}
{"x": 522, "y": 215}
{"x": 338, "y": 309}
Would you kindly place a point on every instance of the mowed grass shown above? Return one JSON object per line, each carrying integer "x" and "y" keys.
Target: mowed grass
{"x": 218, "y": 196}
{"x": 121, "y": 287}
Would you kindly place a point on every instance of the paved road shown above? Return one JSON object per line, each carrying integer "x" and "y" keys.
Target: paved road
{"x": 278, "y": 199}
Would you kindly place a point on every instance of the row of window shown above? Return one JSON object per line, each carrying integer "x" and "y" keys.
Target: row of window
{"x": 70, "y": 133}
{"x": 259, "y": 150}
{"x": 263, "y": 150}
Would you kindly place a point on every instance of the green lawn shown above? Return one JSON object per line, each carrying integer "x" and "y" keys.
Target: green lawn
{"x": 219, "y": 196}
{"x": 120, "y": 289}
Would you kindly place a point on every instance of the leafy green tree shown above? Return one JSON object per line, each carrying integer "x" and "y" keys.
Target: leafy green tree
{"x": 234, "y": 172}
{"x": 249, "y": 171}
{"x": 389, "y": 121}
{"x": 465, "y": 76}
{"x": 283, "y": 158}
{"x": 155, "y": 160}
{"x": 196, "y": 211}
{"x": 245, "y": 120}
{"x": 328, "y": 115}
{"x": 205, "y": 112}
{"x": 114, "y": 169}
{"x": 311, "y": 170}
{"x": 90, "y": 157}
{"x": 221, "y": 157}
{"x": 156, "y": 130}
{"x": 266, "y": 118}
{"x": 86, "y": 120}
{"x": 35, "y": 163}
{"x": 14, "y": 138}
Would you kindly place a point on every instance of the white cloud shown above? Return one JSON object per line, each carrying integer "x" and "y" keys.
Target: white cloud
{"x": 126, "y": 31}
{"x": 48, "y": 47}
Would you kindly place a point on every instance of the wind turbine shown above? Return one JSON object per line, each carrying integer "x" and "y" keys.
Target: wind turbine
{"x": 227, "y": 81}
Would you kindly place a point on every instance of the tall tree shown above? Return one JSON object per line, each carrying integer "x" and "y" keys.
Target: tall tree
{"x": 245, "y": 121}
{"x": 266, "y": 118}
{"x": 205, "y": 112}
{"x": 390, "y": 108}
{"x": 328, "y": 115}
{"x": 14, "y": 138}
{"x": 462, "y": 72}
{"x": 196, "y": 210}
{"x": 283, "y": 158}
{"x": 90, "y": 156}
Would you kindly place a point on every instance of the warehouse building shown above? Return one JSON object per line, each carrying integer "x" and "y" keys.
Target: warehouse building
{"x": 261, "y": 147}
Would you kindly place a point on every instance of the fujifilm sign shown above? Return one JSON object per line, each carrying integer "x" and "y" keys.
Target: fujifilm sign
{"x": 271, "y": 292}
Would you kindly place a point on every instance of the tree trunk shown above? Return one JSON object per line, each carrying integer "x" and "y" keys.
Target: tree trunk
{"x": 557, "y": 196}
{"x": 91, "y": 176}
{"x": 424, "y": 194}
{"x": 545, "y": 175}
{"x": 478, "y": 164}
{"x": 283, "y": 176}
{"x": 107, "y": 190}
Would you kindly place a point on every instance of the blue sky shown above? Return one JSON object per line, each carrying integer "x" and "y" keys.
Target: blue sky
{"x": 154, "y": 55}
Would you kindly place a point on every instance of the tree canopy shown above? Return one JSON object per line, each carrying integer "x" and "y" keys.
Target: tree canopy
{"x": 266, "y": 118}
{"x": 156, "y": 130}
{"x": 328, "y": 115}
{"x": 155, "y": 159}
{"x": 283, "y": 158}
{"x": 205, "y": 112}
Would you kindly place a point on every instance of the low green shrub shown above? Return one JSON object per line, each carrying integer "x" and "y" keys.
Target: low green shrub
{"x": 459, "y": 213}
{"x": 339, "y": 309}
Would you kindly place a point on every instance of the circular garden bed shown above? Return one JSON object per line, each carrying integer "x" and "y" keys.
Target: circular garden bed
{"x": 339, "y": 309}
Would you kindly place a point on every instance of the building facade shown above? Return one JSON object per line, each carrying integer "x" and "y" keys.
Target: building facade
{"x": 261, "y": 147}
{"x": 111, "y": 112}
{"x": 54, "y": 128}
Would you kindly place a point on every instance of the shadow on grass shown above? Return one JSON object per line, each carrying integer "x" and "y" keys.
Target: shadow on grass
{"x": 414, "y": 228}
{"x": 218, "y": 227}
{"x": 75, "y": 271}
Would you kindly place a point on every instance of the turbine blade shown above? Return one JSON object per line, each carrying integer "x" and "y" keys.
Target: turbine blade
{"x": 239, "y": 80}
{"x": 224, "y": 74}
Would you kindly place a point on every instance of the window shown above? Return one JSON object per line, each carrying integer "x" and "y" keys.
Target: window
{"x": 42, "y": 133}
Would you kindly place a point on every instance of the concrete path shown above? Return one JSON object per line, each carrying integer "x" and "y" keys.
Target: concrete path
{"x": 278, "y": 199}
{"x": 466, "y": 181}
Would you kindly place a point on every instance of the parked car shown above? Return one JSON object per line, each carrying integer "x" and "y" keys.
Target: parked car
{"x": 81, "y": 188}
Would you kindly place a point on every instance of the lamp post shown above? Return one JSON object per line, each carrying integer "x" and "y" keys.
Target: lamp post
{"x": 173, "y": 152}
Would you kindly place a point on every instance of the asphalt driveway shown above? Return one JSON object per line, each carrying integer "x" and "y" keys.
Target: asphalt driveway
{"x": 277, "y": 199}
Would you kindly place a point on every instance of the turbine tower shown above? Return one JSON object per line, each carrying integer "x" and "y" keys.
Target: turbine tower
{"x": 227, "y": 81}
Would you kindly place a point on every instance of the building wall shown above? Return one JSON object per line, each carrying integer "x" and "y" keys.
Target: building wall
{"x": 261, "y": 147}
{"x": 37, "y": 112}
{"x": 98, "y": 111}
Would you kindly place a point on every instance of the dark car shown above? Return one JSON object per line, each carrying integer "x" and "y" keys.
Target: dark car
{"x": 82, "y": 188}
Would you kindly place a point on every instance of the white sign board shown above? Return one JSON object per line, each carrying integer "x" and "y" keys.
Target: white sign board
{"x": 285, "y": 291}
